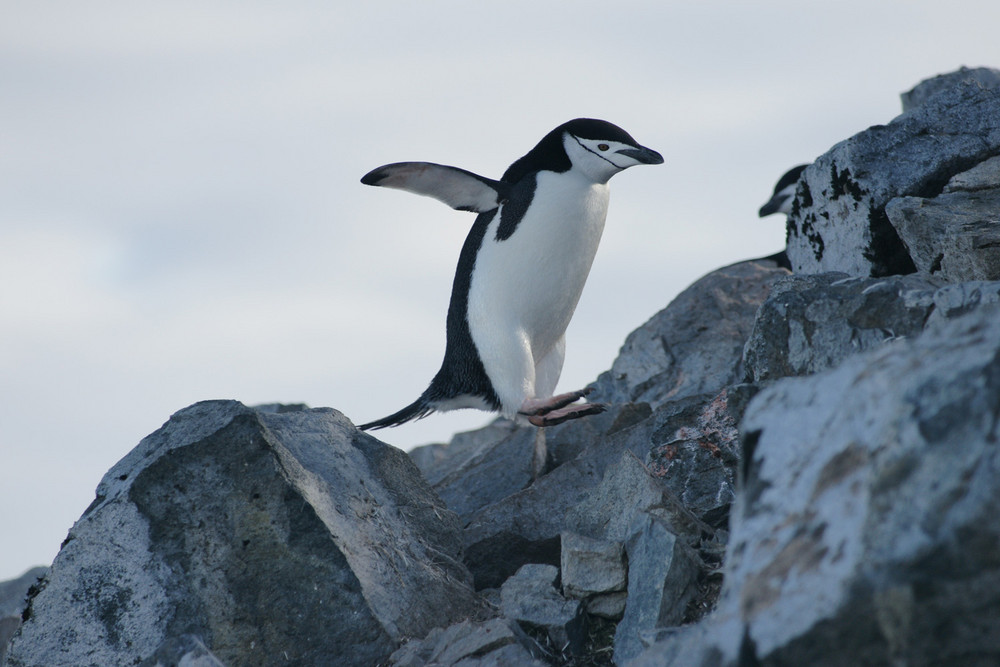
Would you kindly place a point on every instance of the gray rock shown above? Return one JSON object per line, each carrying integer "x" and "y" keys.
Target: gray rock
{"x": 493, "y": 470}
{"x": 662, "y": 577}
{"x": 13, "y": 591}
{"x": 495, "y": 642}
{"x": 607, "y": 605}
{"x": 984, "y": 176}
{"x": 694, "y": 345}
{"x": 183, "y": 651}
{"x": 591, "y": 566}
{"x": 919, "y": 94}
{"x": 272, "y": 536}
{"x": 525, "y": 526}
{"x": 438, "y": 461}
{"x": 954, "y": 236}
{"x": 838, "y": 220}
{"x": 531, "y": 599}
{"x": 810, "y": 323}
{"x": 12, "y": 601}
{"x": 866, "y": 529}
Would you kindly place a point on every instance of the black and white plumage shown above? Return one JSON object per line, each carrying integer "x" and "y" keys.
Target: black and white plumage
{"x": 784, "y": 193}
{"x": 521, "y": 270}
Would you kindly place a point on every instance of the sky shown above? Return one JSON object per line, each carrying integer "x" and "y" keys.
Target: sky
{"x": 181, "y": 216}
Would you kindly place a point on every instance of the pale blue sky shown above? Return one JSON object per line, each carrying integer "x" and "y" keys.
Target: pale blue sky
{"x": 181, "y": 217}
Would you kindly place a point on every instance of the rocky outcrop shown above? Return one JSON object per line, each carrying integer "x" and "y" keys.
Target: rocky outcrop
{"x": 266, "y": 537}
{"x": 839, "y": 219}
{"x": 794, "y": 469}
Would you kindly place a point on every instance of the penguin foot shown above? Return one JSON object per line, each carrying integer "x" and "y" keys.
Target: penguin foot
{"x": 557, "y": 409}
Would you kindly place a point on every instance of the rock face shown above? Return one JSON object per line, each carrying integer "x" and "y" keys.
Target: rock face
{"x": 251, "y": 531}
{"x": 794, "y": 469}
{"x": 839, "y": 220}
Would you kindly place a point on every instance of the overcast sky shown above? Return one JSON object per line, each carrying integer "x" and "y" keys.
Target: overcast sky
{"x": 181, "y": 217}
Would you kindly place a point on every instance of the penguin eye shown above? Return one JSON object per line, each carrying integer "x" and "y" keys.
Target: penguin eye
{"x": 603, "y": 147}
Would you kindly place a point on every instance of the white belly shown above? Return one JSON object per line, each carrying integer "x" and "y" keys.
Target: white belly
{"x": 525, "y": 288}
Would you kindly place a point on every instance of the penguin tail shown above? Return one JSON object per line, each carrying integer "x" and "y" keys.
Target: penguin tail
{"x": 418, "y": 409}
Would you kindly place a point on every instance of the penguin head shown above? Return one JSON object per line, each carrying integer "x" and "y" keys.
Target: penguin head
{"x": 600, "y": 150}
{"x": 594, "y": 147}
{"x": 784, "y": 193}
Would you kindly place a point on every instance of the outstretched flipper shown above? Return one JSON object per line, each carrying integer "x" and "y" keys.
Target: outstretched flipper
{"x": 458, "y": 188}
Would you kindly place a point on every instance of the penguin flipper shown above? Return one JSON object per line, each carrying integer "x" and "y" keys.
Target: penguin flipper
{"x": 458, "y": 188}
{"x": 418, "y": 409}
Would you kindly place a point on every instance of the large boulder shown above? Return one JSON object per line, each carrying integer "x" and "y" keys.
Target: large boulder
{"x": 839, "y": 221}
{"x": 867, "y": 525}
{"x": 268, "y": 537}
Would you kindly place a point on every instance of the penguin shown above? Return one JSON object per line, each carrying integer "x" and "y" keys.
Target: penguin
{"x": 784, "y": 193}
{"x": 781, "y": 202}
{"x": 521, "y": 270}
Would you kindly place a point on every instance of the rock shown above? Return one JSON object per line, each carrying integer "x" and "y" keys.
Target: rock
{"x": 438, "y": 461}
{"x": 810, "y": 323}
{"x": 983, "y": 176}
{"x": 591, "y": 566}
{"x": 919, "y": 94}
{"x": 531, "y": 599}
{"x": 14, "y": 591}
{"x": 497, "y": 642}
{"x": 12, "y": 601}
{"x": 186, "y": 651}
{"x": 272, "y": 536}
{"x": 953, "y": 236}
{"x": 814, "y": 322}
{"x": 662, "y": 576}
{"x": 694, "y": 345}
{"x": 525, "y": 527}
{"x": 867, "y": 526}
{"x": 607, "y": 605}
{"x": 494, "y": 469}
{"x": 838, "y": 220}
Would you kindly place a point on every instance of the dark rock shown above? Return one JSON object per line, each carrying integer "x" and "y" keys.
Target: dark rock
{"x": 496, "y": 642}
{"x": 838, "y": 220}
{"x": 919, "y": 94}
{"x": 252, "y": 530}
{"x": 493, "y": 470}
{"x": 695, "y": 344}
{"x": 662, "y": 576}
{"x": 813, "y": 323}
{"x": 525, "y": 527}
{"x": 810, "y": 323}
{"x": 954, "y": 236}
{"x": 868, "y": 524}
{"x": 438, "y": 461}
{"x": 530, "y": 598}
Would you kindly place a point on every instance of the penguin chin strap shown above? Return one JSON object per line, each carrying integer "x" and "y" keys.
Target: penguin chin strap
{"x": 558, "y": 409}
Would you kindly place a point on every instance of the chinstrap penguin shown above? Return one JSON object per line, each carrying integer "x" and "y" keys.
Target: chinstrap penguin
{"x": 521, "y": 270}
{"x": 784, "y": 193}
{"x": 781, "y": 202}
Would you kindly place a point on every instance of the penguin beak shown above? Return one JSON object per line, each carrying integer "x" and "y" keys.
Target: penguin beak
{"x": 643, "y": 155}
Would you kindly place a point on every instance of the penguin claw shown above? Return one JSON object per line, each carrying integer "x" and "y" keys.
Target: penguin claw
{"x": 558, "y": 409}
{"x": 553, "y": 417}
{"x": 542, "y": 406}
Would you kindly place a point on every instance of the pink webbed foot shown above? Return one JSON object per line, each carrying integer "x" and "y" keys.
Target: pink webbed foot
{"x": 557, "y": 409}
